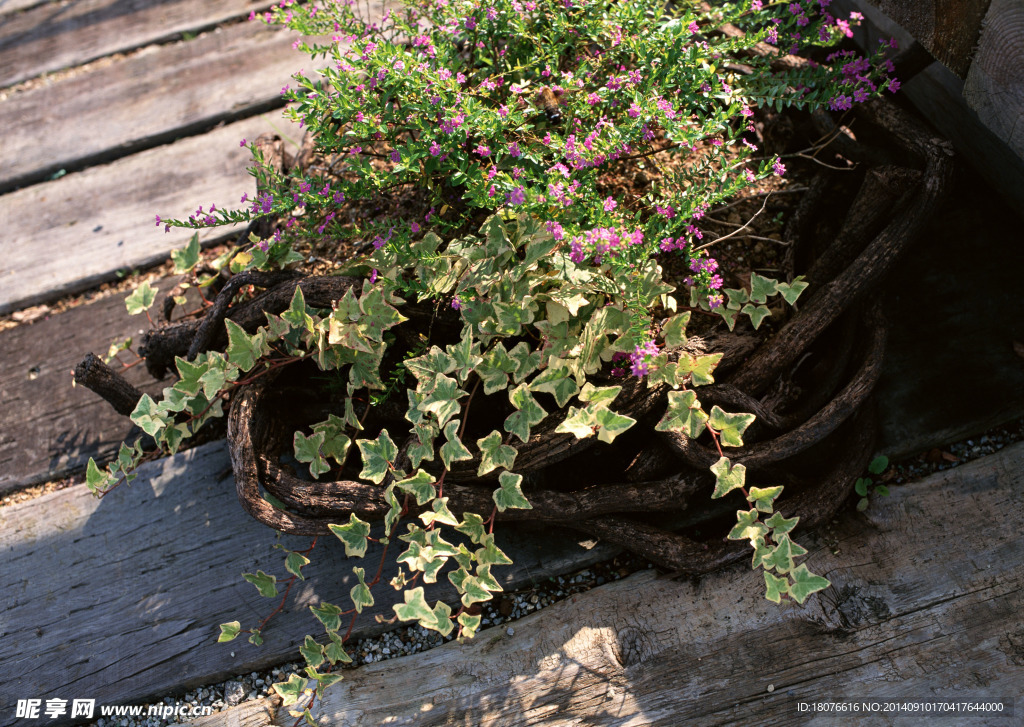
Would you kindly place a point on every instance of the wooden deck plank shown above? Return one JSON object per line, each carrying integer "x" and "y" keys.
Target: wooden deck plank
{"x": 13, "y": 6}
{"x": 925, "y": 605}
{"x": 143, "y": 100}
{"x": 94, "y": 222}
{"x": 59, "y": 35}
{"x": 120, "y": 599}
{"x": 47, "y": 427}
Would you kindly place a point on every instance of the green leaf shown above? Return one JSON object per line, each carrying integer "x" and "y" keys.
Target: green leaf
{"x": 229, "y": 631}
{"x": 336, "y": 442}
{"x": 439, "y": 513}
{"x": 264, "y": 583}
{"x": 420, "y": 485}
{"x": 674, "y": 330}
{"x": 354, "y": 535}
{"x": 737, "y": 297}
{"x": 473, "y": 526}
{"x": 256, "y": 638}
{"x": 415, "y": 608}
{"x": 494, "y": 369}
{"x": 757, "y": 314}
{"x": 781, "y": 525}
{"x": 422, "y": 448}
{"x": 140, "y": 300}
{"x": 297, "y": 315}
{"x": 148, "y": 416}
{"x": 490, "y": 554}
{"x": 775, "y": 587}
{"x": 529, "y": 413}
{"x": 781, "y": 557}
{"x": 469, "y": 624}
{"x": 611, "y": 424}
{"x": 378, "y": 315}
{"x": 429, "y": 366}
{"x": 699, "y": 368}
{"x": 730, "y": 426}
{"x": 761, "y": 288}
{"x": 727, "y": 478}
{"x": 443, "y": 400}
{"x": 190, "y": 375}
{"x": 328, "y": 614}
{"x": 599, "y": 395}
{"x": 294, "y": 564}
{"x": 96, "y": 479}
{"x": 510, "y": 493}
{"x": 312, "y": 652}
{"x": 360, "y": 593}
{"x": 186, "y": 258}
{"x": 878, "y": 465}
{"x": 291, "y": 690}
{"x": 728, "y": 315}
{"x": 861, "y": 486}
{"x": 466, "y": 354}
{"x": 494, "y": 454}
{"x": 881, "y": 490}
{"x": 453, "y": 450}
{"x": 683, "y": 414}
{"x": 793, "y": 290}
{"x": 804, "y": 583}
{"x": 763, "y": 497}
{"x": 525, "y": 360}
{"x": 471, "y": 589}
{"x": 862, "y": 504}
{"x": 245, "y": 350}
{"x": 335, "y": 651}
{"x": 748, "y": 526}
{"x": 378, "y": 455}
{"x": 761, "y": 551}
{"x": 557, "y": 381}
{"x": 307, "y": 449}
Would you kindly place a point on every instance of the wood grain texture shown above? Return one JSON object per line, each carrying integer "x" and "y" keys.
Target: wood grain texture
{"x": 13, "y": 6}
{"x": 47, "y": 427}
{"x": 949, "y": 29}
{"x": 58, "y": 35}
{"x": 120, "y": 599}
{"x": 143, "y": 100}
{"x": 92, "y": 223}
{"x": 925, "y": 605}
{"x": 995, "y": 82}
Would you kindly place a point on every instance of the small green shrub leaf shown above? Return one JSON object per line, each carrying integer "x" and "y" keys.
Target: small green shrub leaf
{"x": 186, "y": 258}
{"x": 729, "y": 426}
{"x": 804, "y": 583}
{"x": 353, "y": 535}
{"x": 229, "y": 631}
{"x": 510, "y": 493}
{"x": 141, "y": 299}
{"x": 683, "y": 414}
{"x": 727, "y": 478}
{"x": 264, "y": 583}
{"x": 378, "y": 455}
{"x": 420, "y": 486}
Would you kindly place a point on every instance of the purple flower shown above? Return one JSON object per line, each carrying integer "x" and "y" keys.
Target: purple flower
{"x": 779, "y": 168}
{"x": 483, "y": 150}
{"x": 610, "y": 204}
{"x": 894, "y": 85}
{"x": 516, "y": 197}
{"x": 396, "y": 157}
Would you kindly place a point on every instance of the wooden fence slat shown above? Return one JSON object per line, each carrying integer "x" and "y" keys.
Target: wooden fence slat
{"x": 925, "y": 604}
{"x": 119, "y": 599}
{"x": 995, "y": 82}
{"x": 143, "y": 100}
{"x": 59, "y": 35}
{"x": 47, "y": 427}
{"x": 73, "y": 233}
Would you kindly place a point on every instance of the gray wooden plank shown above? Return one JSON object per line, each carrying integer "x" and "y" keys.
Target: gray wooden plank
{"x": 58, "y": 35}
{"x": 927, "y": 592}
{"x": 13, "y": 6}
{"x": 143, "y": 100}
{"x": 77, "y": 231}
{"x": 47, "y": 427}
{"x": 119, "y": 599}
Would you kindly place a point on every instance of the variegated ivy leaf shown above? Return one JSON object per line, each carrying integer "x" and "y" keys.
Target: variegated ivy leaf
{"x": 466, "y": 354}
{"x": 291, "y": 690}
{"x": 792, "y": 291}
{"x": 599, "y": 395}
{"x": 781, "y": 558}
{"x": 730, "y": 427}
{"x": 761, "y": 288}
{"x": 422, "y": 448}
{"x": 328, "y": 614}
{"x": 775, "y": 587}
{"x": 577, "y": 421}
{"x": 556, "y": 380}
{"x": 229, "y": 631}
{"x": 472, "y": 525}
{"x": 737, "y": 297}
{"x": 343, "y": 327}
{"x": 394, "y": 508}
{"x": 494, "y": 369}
{"x": 674, "y": 330}
{"x": 611, "y": 424}
{"x": 763, "y": 497}
{"x": 148, "y": 416}
{"x": 489, "y": 553}
{"x": 378, "y": 455}
{"x": 781, "y": 525}
{"x": 377, "y": 314}
{"x": 453, "y": 450}
{"x": 510, "y": 493}
{"x": 683, "y": 414}
{"x": 307, "y": 449}
{"x": 697, "y": 369}
{"x": 529, "y": 412}
{"x": 335, "y": 651}
{"x": 415, "y": 608}
{"x": 245, "y": 350}
{"x": 186, "y": 258}
{"x": 360, "y": 593}
{"x": 757, "y": 314}
{"x": 141, "y": 299}
{"x": 354, "y": 535}
{"x": 729, "y": 315}
{"x": 761, "y": 551}
{"x": 294, "y": 563}
{"x": 443, "y": 400}
{"x": 420, "y": 486}
{"x": 469, "y": 624}
{"x": 494, "y": 454}
{"x": 469, "y": 587}
{"x": 312, "y": 652}
{"x": 748, "y": 526}
{"x": 727, "y": 478}
{"x": 265, "y": 584}
{"x": 526, "y": 361}
{"x": 804, "y": 583}
{"x": 297, "y": 315}
{"x": 439, "y": 513}
{"x": 429, "y": 366}
{"x": 336, "y": 443}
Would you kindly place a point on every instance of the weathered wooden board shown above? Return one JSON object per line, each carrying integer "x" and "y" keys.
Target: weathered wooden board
{"x": 12, "y": 6}
{"x": 67, "y": 235}
{"x": 927, "y": 593}
{"x": 120, "y": 599}
{"x": 47, "y": 427}
{"x": 145, "y": 99}
{"x": 949, "y": 29}
{"x": 58, "y": 35}
{"x": 995, "y": 82}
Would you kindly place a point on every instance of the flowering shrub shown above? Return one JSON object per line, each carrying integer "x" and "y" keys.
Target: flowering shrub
{"x": 506, "y": 118}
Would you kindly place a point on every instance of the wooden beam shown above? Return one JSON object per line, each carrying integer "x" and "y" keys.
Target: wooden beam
{"x": 119, "y": 599}
{"x": 143, "y": 100}
{"x": 53, "y": 36}
{"x": 927, "y": 591}
{"x": 995, "y": 82}
{"x": 949, "y": 29}
{"x": 78, "y": 231}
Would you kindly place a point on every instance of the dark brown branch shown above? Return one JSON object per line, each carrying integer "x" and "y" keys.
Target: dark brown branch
{"x": 96, "y": 376}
